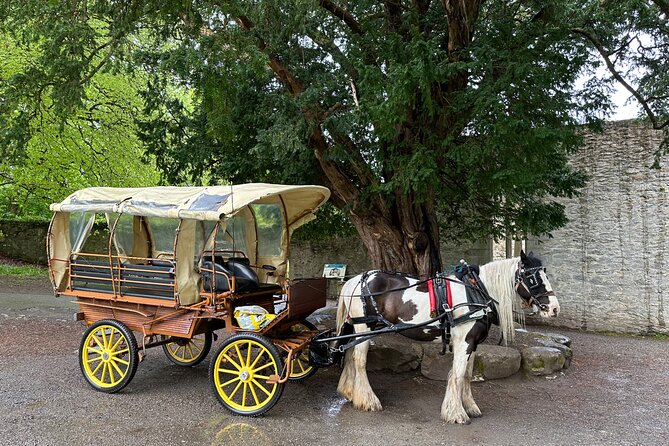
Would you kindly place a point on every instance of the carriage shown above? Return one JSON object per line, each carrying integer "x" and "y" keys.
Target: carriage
{"x": 176, "y": 265}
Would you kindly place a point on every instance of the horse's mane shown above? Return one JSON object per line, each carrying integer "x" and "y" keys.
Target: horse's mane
{"x": 498, "y": 277}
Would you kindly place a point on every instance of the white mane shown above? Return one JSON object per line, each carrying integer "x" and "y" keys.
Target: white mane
{"x": 498, "y": 278}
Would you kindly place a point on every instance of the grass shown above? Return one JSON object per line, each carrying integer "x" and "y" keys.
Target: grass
{"x": 22, "y": 270}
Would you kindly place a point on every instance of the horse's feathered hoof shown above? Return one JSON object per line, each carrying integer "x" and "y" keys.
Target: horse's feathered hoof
{"x": 368, "y": 404}
{"x": 458, "y": 420}
{"x": 474, "y": 412}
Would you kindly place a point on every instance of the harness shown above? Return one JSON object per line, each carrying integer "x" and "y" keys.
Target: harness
{"x": 524, "y": 276}
{"x": 479, "y": 304}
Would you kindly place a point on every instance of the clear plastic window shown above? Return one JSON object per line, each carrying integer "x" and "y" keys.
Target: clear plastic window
{"x": 269, "y": 221}
{"x": 163, "y": 231}
{"x": 80, "y": 226}
{"x": 232, "y": 239}
{"x": 123, "y": 236}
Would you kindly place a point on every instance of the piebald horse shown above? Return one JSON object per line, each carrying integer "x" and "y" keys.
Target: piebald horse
{"x": 403, "y": 299}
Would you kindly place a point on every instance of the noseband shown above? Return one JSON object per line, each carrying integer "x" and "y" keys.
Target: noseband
{"x": 531, "y": 276}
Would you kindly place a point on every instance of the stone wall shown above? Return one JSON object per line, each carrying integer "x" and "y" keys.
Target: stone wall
{"x": 608, "y": 264}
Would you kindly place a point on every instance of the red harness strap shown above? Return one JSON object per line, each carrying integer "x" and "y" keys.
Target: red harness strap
{"x": 433, "y": 297}
{"x": 449, "y": 294}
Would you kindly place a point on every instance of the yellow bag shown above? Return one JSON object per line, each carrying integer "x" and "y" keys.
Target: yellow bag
{"x": 252, "y": 317}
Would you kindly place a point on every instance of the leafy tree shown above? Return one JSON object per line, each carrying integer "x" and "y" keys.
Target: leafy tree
{"x": 632, "y": 39}
{"x": 95, "y": 145}
{"x": 407, "y": 111}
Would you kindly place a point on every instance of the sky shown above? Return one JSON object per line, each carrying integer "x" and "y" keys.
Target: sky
{"x": 623, "y": 110}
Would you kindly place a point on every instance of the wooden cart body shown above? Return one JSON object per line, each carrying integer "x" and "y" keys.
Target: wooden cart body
{"x": 229, "y": 249}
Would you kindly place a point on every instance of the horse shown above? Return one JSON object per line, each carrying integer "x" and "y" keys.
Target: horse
{"x": 402, "y": 299}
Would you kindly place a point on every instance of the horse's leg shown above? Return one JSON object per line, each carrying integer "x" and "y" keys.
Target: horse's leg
{"x": 363, "y": 396}
{"x": 467, "y": 399}
{"x": 347, "y": 378}
{"x": 452, "y": 409}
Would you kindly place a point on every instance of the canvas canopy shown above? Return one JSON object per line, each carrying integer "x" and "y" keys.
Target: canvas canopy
{"x": 295, "y": 205}
{"x": 197, "y": 203}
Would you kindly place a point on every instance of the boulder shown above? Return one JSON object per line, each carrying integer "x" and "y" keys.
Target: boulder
{"x": 495, "y": 362}
{"x": 393, "y": 352}
{"x": 540, "y": 361}
{"x": 434, "y": 365}
{"x": 553, "y": 340}
{"x": 324, "y": 318}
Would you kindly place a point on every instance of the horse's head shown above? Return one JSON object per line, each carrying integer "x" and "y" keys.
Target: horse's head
{"x": 533, "y": 287}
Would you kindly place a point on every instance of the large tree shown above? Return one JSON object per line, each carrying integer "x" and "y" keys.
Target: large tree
{"x": 419, "y": 115}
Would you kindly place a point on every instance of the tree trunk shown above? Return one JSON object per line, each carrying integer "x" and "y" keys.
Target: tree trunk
{"x": 404, "y": 238}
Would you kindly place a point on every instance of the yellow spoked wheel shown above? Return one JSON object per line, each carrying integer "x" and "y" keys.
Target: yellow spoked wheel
{"x": 239, "y": 372}
{"x": 108, "y": 355}
{"x": 187, "y": 352}
{"x": 301, "y": 369}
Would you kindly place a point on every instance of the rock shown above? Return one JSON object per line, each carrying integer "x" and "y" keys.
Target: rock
{"x": 554, "y": 340}
{"x": 542, "y": 360}
{"x": 495, "y": 362}
{"x": 567, "y": 352}
{"x": 434, "y": 365}
{"x": 559, "y": 339}
{"x": 324, "y": 318}
{"x": 395, "y": 353}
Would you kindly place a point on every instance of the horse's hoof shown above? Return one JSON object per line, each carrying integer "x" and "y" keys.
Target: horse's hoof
{"x": 463, "y": 419}
{"x": 474, "y": 413}
{"x": 369, "y": 405}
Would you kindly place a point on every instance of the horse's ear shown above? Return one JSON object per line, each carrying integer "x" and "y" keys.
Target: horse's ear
{"x": 523, "y": 257}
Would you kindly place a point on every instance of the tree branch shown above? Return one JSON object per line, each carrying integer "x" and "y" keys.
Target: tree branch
{"x": 657, "y": 124}
{"x": 294, "y": 86}
{"x": 343, "y": 15}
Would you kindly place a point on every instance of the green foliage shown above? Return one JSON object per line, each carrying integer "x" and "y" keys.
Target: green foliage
{"x": 405, "y": 110}
{"x": 94, "y": 145}
{"x": 22, "y": 270}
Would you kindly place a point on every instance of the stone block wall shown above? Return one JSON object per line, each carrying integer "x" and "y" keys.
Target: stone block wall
{"x": 609, "y": 264}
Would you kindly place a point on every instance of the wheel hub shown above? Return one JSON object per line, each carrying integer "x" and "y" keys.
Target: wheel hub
{"x": 105, "y": 356}
{"x": 245, "y": 375}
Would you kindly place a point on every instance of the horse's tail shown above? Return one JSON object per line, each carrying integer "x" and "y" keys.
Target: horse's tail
{"x": 345, "y": 296}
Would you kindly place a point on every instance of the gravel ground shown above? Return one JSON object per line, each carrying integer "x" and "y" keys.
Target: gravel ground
{"x": 614, "y": 393}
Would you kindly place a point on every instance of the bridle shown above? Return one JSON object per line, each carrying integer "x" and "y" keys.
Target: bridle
{"x": 527, "y": 281}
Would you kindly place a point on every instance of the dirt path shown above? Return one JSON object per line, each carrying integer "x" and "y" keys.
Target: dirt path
{"x": 616, "y": 392}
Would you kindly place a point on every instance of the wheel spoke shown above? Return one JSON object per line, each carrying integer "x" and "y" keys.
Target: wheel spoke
{"x": 120, "y": 352}
{"x": 196, "y": 347}
{"x": 104, "y": 338}
{"x": 239, "y": 384}
{"x": 227, "y": 383}
{"x": 239, "y": 355}
{"x": 228, "y": 371}
{"x": 99, "y": 358}
{"x": 248, "y": 355}
{"x": 112, "y": 379}
{"x": 244, "y": 394}
{"x": 260, "y": 376}
{"x": 267, "y": 392}
{"x": 301, "y": 365}
{"x": 255, "y": 361}
{"x": 104, "y": 372}
{"x": 232, "y": 361}
{"x": 117, "y": 343}
{"x": 190, "y": 350}
{"x": 262, "y": 367}
{"x": 253, "y": 392}
{"x": 122, "y": 361}
{"x": 97, "y": 341}
{"x": 118, "y": 369}
{"x": 97, "y": 368}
